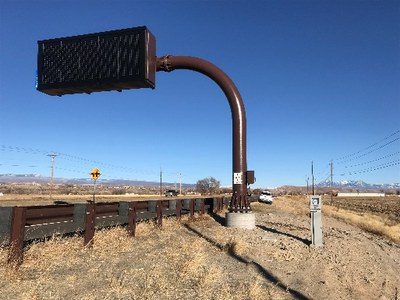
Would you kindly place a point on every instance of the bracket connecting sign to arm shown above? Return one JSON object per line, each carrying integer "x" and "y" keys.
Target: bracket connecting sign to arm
{"x": 168, "y": 63}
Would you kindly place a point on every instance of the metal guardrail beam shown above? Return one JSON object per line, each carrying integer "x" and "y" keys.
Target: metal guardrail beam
{"x": 37, "y": 222}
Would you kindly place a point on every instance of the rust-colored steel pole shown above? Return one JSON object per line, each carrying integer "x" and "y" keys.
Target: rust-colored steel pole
{"x": 239, "y": 201}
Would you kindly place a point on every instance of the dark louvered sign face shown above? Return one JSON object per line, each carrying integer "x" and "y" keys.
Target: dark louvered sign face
{"x": 105, "y": 61}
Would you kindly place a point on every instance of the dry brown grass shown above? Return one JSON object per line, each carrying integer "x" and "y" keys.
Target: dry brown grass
{"x": 369, "y": 222}
{"x": 170, "y": 263}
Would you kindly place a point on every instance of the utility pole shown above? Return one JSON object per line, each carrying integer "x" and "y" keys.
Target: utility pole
{"x": 307, "y": 183}
{"x": 161, "y": 187}
{"x": 331, "y": 181}
{"x": 52, "y": 156}
{"x": 180, "y": 184}
{"x": 312, "y": 176}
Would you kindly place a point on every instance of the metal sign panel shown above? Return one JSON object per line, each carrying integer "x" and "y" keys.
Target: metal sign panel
{"x": 95, "y": 174}
{"x": 315, "y": 202}
{"x": 105, "y": 61}
{"x": 237, "y": 178}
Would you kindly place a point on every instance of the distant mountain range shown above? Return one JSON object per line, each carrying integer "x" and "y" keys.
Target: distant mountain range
{"x": 27, "y": 178}
{"x": 358, "y": 184}
{"x": 10, "y": 178}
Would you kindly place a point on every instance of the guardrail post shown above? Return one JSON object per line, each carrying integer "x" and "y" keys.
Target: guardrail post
{"x": 159, "y": 214}
{"x": 214, "y": 205}
{"x": 192, "y": 203}
{"x": 5, "y": 224}
{"x": 178, "y": 209}
{"x": 226, "y": 203}
{"x": 132, "y": 219}
{"x": 17, "y": 233}
{"x": 80, "y": 216}
{"x": 152, "y": 206}
{"x": 89, "y": 224}
{"x": 218, "y": 204}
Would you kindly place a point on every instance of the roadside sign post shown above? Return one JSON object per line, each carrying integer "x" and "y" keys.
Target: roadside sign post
{"x": 95, "y": 175}
{"x": 316, "y": 220}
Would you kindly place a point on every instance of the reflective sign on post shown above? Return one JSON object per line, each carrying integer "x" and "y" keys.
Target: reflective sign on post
{"x": 95, "y": 174}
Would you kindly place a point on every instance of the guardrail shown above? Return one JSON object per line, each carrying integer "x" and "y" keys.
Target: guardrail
{"x": 25, "y": 223}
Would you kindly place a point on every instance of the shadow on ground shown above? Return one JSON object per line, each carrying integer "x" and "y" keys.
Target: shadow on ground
{"x": 272, "y": 230}
{"x": 217, "y": 218}
{"x": 228, "y": 248}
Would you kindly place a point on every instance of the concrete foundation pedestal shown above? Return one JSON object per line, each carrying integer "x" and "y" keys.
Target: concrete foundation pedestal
{"x": 241, "y": 220}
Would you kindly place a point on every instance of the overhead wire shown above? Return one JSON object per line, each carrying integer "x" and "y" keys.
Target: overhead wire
{"x": 372, "y": 161}
{"x": 371, "y": 146}
{"x": 82, "y": 160}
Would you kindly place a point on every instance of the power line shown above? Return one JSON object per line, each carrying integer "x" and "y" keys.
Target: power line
{"x": 372, "y": 161}
{"x": 374, "y": 168}
{"x": 369, "y": 152}
{"x": 69, "y": 157}
{"x": 82, "y": 160}
{"x": 369, "y": 147}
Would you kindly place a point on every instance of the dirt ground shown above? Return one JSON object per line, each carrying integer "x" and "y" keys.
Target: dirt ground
{"x": 201, "y": 259}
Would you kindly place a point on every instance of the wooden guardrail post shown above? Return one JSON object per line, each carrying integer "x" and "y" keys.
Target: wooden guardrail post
{"x": 159, "y": 214}
{"x": 192, "y": 203}
{"x": 89, "y": 224}
{"x": 17, "y": 233}
{"x": 218, "y": 206}
{"x": 225, "y": 203}
{"x": 132, "y": 218}
{"x": 178, "y": 209}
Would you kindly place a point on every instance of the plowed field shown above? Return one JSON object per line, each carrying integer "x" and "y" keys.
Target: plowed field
{"x": 383, "y": 206}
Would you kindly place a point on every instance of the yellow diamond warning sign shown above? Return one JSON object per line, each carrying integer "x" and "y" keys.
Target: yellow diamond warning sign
{"x": 95, "y": 174}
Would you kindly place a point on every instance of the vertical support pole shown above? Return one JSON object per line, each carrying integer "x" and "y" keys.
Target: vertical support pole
{"x": 159, "y": 214}
{"x": 161, "y": 183}
{"x": 17, "y": 235}
{"x": 89, "y": 224}
{"x": 202, "y": 206}
{"x": 132, "y": 216}
{"x": 178, "y": 209}
{"x": 192, "y": 203}
{"x": 53, "y": 156}
{"x": 239, "y": 201}
{"x": 331, "y": 182}
{"x": 312, "y": 176}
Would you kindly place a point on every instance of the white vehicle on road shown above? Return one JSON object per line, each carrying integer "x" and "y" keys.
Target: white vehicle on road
{"x": 265, "y": 197}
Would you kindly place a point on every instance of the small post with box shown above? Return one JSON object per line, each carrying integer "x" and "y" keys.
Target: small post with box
{"x": 316, "y": 220}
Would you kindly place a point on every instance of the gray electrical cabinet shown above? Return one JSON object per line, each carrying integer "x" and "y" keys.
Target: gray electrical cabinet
{"x": 316, "y": 220}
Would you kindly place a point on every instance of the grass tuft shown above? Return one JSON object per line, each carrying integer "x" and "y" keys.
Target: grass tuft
{"x": 372, "y": 223}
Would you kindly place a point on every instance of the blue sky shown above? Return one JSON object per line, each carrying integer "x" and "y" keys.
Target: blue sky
{"x": 320, "y": 80}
